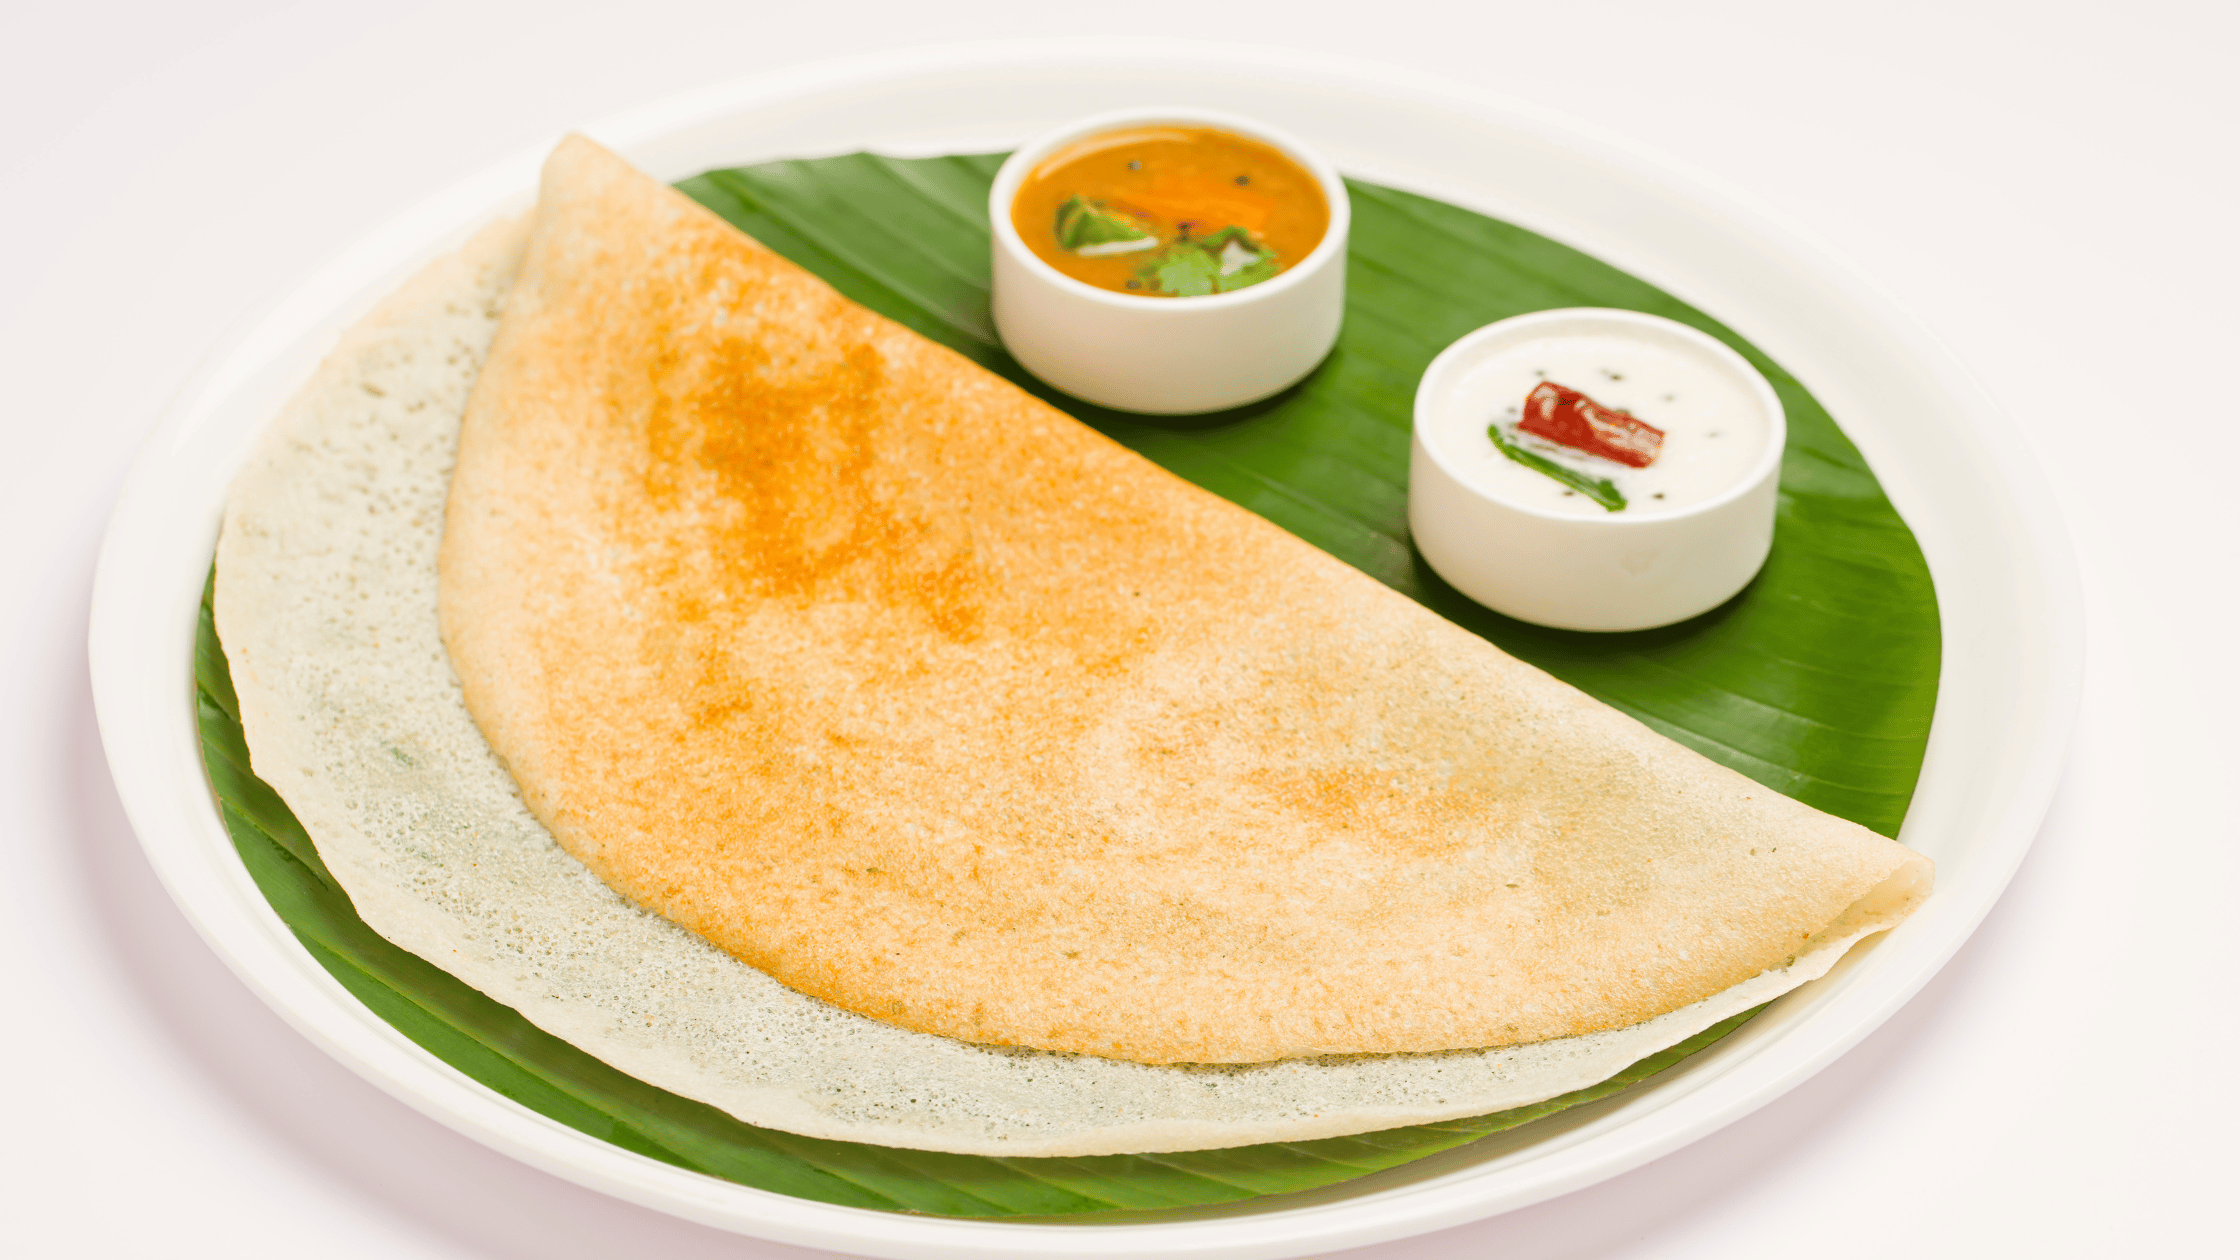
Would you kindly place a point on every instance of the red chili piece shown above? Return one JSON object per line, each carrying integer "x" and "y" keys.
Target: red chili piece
{"x": 1570, "y": 418}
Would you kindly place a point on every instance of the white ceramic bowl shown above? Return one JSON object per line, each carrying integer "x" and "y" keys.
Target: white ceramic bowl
{"x": 1167, "y": 356}
{"x": 1628, "y": 570}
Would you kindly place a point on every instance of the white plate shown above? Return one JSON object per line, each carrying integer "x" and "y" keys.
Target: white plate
{"x": 2013, "y": 638}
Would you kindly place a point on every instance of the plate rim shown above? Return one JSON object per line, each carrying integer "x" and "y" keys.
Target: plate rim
{"x": 179, "y": 827}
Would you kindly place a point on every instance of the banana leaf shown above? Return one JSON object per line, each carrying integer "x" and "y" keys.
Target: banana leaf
{"x": 1817, "y": 680}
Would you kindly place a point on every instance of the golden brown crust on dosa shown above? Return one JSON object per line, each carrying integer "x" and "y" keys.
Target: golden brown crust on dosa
{"x": 928, "y": 700}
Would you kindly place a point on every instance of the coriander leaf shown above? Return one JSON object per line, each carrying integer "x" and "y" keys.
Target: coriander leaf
{"x": 1261, "y": 268}
{"x": 1228, "y": 260}
{"x": 1183, "y": 270}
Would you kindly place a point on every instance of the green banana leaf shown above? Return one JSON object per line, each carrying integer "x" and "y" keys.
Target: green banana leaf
{"x": 1817, "y": 680}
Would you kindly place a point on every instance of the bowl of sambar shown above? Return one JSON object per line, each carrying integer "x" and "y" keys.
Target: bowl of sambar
{"x": 1168, "y": 261}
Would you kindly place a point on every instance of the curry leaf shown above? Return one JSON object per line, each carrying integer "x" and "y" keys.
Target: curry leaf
{"x": 1601, "y": 489}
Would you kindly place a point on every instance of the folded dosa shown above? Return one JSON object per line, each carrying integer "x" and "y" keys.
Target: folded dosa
{"x": 925, "y": 699}
{"x": 326, "y": 601}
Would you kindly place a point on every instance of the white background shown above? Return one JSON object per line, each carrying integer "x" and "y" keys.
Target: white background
{"x": 2053, "y": 189}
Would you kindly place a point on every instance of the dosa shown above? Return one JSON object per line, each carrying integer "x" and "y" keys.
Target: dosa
{"x": 326, "y": 601}
{"x": 326, "y": 604}
{"x": 925, "y": 699}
